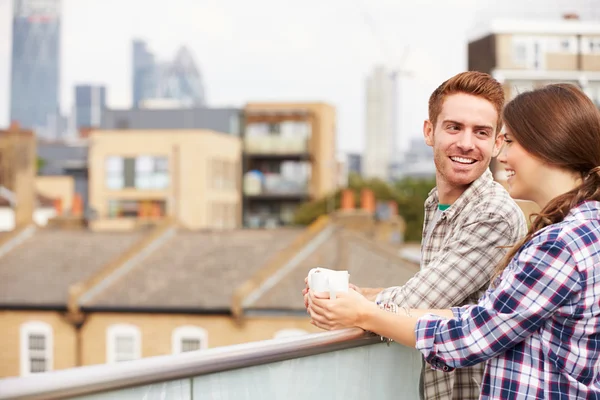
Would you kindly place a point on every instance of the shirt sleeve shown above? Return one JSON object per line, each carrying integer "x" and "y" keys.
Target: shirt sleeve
{"x": 539, "y": 280}
{"x": 464, "y": 265}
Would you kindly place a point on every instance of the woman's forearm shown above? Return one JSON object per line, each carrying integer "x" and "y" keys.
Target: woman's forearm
{"x": 400, "y": 327}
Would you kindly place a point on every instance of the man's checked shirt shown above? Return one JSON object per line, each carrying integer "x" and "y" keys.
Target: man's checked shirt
{"x": 457, "y": 262}
{"x": 539, "y": 329}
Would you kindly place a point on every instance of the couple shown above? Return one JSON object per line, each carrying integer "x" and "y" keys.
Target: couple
{"x": 535, "y": 332}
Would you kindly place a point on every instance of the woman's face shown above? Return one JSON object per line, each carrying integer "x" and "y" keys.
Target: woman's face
{"x": 524, "y": 171}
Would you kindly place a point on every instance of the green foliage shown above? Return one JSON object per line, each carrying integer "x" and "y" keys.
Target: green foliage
{"x": 413, "y": 193}
{"x": 409, "y": 194}
{"x": 40, "y": 163}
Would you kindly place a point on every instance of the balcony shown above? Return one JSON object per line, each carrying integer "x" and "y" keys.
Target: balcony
{"x": 273, "y": 147}
{"x": 273, "y": 186}
{"x": 347, "y": 364}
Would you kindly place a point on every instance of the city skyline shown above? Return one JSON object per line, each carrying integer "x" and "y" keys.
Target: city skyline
{"x": 35, "y": 63}
{"x": 318, "y": 52}
{"x": 176, "y": 83}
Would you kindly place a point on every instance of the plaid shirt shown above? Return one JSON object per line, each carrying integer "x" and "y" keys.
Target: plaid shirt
{"x": 539, "y": 329}
{"x": 457, "y": 263}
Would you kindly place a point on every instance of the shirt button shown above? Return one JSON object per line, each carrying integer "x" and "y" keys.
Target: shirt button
{"x": 446, "y": 368}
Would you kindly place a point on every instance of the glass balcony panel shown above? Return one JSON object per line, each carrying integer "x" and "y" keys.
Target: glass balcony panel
{"x": 176, "y": 390}
{"x": 370, "y": 372}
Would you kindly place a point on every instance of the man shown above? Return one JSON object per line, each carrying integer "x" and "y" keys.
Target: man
{"x": 469, "y": 218}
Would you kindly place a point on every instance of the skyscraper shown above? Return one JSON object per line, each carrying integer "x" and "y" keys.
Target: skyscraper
{"x": 90, "y": 102}
{"x": 144, "y": 69}
{"x": 176, "y": 83}
{"x": 380, "y": 126}
{"x": 35, "y": 70}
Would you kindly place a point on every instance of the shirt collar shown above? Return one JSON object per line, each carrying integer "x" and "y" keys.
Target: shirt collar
{"x": 475, "y": 189}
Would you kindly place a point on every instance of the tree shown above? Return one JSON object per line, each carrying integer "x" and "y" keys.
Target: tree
{"x": 40, "y": 163}
{"x": 409, "y": 194}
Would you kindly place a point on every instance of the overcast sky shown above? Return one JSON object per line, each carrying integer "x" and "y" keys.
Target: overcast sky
{"x": 280, "y": 49}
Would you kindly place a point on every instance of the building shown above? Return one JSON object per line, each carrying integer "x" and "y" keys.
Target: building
{"x": 65, "y": 159}
{"x": 73, "y": 298}
{"x": 142, "y": 72}
{"x": 289, "y": 158}
{"x": 417, "y": 161}
{"x": 225, "y": 120}
{"x": 90, "y": 103}
{"x": 17, "y": 171}
{"x": 142, "y": 176}
{"x": 35, "y": 71}
{"x": 523, "y": 55}
{"x": 354, "y": 163}
{"x": 380, "y": 124}
{"x": 174, "y": 84}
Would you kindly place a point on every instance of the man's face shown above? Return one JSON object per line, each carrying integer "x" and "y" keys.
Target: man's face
{"x": 464, "y": 139}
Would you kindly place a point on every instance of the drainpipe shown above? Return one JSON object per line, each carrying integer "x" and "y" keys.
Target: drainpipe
{"x": 77, "y": 320}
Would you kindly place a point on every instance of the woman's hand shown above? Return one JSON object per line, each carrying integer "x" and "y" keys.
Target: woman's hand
{"x": 306, "y": 290}
{"x": 346, "y": 311}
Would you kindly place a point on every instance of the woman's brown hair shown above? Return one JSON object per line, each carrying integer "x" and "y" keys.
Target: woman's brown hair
{"x": 559, "y": 125}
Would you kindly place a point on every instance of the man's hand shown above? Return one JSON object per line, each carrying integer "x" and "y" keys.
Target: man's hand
{"x": 371, "y": 293}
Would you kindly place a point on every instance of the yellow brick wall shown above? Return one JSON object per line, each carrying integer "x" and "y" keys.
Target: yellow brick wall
{"x": 156, "y": 331}
{"x": 64, "y": 339}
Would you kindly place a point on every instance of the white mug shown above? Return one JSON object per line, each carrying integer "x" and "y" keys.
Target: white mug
{"x": 328, "y": 280}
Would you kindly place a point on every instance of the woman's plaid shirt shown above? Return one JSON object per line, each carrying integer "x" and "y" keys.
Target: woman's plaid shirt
{"x": 539, "y": 329}
{"x": 457, "y": 263}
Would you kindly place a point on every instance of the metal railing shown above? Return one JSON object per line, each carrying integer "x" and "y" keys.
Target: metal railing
{"x": 102, "y": 378}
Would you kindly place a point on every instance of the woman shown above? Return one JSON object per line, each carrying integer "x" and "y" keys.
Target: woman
{"x": 538, "y": 326}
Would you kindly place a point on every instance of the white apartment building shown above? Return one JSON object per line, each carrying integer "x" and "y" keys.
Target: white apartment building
{"x": 524, "y": 55}
{"x": 380, "y": 124}
{"x": 529, "y": 54}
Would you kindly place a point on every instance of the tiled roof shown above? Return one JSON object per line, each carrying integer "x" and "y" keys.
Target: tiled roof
{"x": 195, "y": 270}
{"x": 191, "y": 271}
{"x": 40, "y": 271}
{"x": 368, "y": 267}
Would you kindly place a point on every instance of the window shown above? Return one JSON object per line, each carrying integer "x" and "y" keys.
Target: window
{"x": 143, "y": 172}
{"x": 123, "y": 343}
{"x": 529, "y": 52}
{"x": 189, "y": 338}
{"x": 136, "y": 208}
{"x": 562, "y": 44}
{"x": 151, "y": 172}
{"x": 520, "y": 52}
{"x": 287, "y": 333}
{"x": 36, "y": 345}
{"x": 114, "y": 173}
{"x": 590, "y": 45}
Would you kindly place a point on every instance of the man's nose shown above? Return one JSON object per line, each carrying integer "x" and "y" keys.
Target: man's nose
{"x": 465, "y": 142}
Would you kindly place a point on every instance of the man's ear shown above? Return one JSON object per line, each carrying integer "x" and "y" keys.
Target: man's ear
{"x": 498, "y": 145}
{"x": 428, "y": 132}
